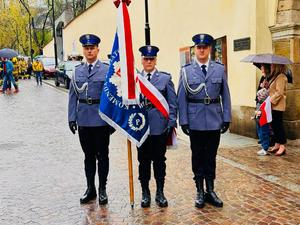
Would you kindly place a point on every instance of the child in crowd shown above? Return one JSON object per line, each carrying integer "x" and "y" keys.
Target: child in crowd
{"x": 262, "y": 131}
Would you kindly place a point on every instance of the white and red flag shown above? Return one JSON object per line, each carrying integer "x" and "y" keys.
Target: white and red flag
{"x": 130, "y": 93}
{"x": 266, "y": 112}
{"x": 132, "y": 82}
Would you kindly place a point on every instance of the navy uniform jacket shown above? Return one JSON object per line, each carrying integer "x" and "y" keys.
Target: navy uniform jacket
{"x": 85, "y": 114}
{"x": 157, "y": 122}
{"x": 200, "y": 116}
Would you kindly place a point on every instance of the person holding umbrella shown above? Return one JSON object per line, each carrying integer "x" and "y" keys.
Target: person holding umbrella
{"x": 279, "y": 77}
{"x": 277, "y": 92}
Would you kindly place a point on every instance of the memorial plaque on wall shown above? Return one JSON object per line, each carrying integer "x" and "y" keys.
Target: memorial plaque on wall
{"x": 241, "y": 44}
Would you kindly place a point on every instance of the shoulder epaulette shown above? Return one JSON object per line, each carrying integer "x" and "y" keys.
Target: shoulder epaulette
{"x": 79, "y": 64}
{"x": 165, "y": 73}
{"x": 186, "y": 65}
{"x": 219, "y": 63}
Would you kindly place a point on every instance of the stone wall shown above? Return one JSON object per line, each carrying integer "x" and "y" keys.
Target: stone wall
{"x": 241, "y": 121}
{"x": 286, "y": 42}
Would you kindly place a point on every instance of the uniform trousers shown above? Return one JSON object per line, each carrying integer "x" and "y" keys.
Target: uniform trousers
{"x": 277, "y": 126}
{"x": 153, "y": 149}
{"x": 204, "y": 145}
{"x": 94, "y": 142}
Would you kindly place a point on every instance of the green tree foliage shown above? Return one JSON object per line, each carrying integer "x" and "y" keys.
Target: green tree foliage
{"x": 14, "y": 29}
{"x": 17, "y": 15}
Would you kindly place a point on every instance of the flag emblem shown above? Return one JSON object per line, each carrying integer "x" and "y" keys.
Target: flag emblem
{"x": 137, "y": 121}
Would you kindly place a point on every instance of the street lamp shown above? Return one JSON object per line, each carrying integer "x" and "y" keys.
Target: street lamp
{"x": 54, "y": 35}
{"x": 147, "y": 27}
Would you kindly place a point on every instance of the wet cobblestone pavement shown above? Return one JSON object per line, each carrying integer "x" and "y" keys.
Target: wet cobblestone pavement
{"x": 42, "y": 178}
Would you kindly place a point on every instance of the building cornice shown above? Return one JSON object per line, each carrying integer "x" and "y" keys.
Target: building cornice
{"x": 285, "y": 31}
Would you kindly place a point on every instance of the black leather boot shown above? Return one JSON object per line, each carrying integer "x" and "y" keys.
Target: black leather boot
{"x": 90, "y": 193}
{"x": 160, "y": 198}
{"x": 199, "y": 201}
{"x": 211, "y": 197}
{"x": 102, "y": 194}
{"x": 146, "y": 196}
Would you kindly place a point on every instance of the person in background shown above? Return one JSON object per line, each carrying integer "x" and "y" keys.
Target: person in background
{"x": 38, "y": 69}
{"x": 8, "y": 77}
{"x": 23, "y": 66}
{"x": 277, "y": 93}
{"x": 16, "y": 71}
{"x": 263, "y": 131}
{"x": 29, "y": 67}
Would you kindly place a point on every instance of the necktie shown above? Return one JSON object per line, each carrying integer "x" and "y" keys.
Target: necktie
{"x": 149, "y": 76}
{"x": 90, "y": 68}
{"x": 203, "y": 68}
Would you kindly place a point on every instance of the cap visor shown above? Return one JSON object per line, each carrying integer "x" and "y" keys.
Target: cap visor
{"x": 89, "y": 44}
{"x": 149, "y": 56}
{"x": 202, "y": 44}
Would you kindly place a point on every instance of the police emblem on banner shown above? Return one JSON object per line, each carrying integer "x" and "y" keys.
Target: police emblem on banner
{"x": 137, "y": 121}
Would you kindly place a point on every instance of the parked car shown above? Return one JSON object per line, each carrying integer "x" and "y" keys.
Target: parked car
{"x": 39, "y": 56}
{"x": 49, "y": 66}
{"x": 64, "y": 72}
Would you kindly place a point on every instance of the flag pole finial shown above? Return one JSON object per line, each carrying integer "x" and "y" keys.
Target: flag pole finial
{"x": 117, "y": 2}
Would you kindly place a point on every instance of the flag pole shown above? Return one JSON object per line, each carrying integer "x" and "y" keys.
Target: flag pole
{"x": 147, "y": 26}
{"x": 130, "y": 173}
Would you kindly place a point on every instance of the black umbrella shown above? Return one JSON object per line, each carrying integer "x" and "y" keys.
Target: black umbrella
{"x": 259, "y": 59}
{"x": 8, "y": 53}
{"x": 267, "y": 58}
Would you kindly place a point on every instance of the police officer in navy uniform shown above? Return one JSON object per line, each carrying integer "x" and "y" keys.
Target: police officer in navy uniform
{"x": 94, "y": 133}
{"x": 204, "y": 112}
{"x": 154, "y": 148}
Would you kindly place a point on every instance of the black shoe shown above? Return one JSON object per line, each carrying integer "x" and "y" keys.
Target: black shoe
{"x": 160, "y": 199}
{"x": 102, "y": 197}
{"x": 199, "y": 201}
{"x": 89, "y": 195}
{"x": 213, "y": 199}
{"x": 146, "y": 198}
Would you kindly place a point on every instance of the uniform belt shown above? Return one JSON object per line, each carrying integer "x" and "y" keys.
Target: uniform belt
{"x": 205, "y": 101}
{"x": 89, "y": 101}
